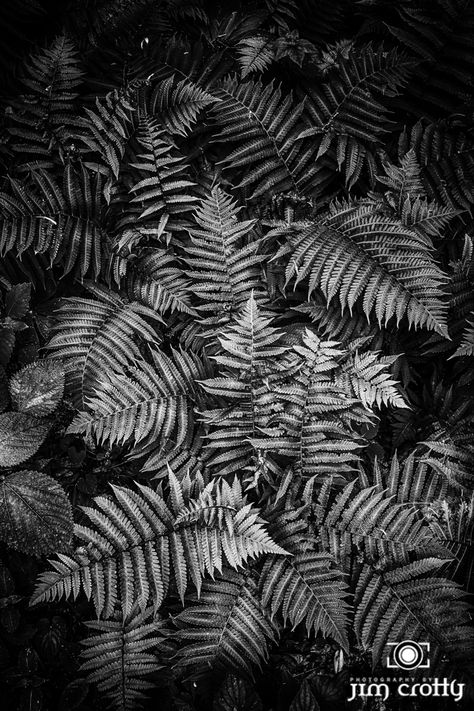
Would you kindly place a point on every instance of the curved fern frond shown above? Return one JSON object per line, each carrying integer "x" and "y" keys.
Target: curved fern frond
{"x": 347, "y": 116}
{"x": 150, "y": 405}
{"x": 119, "y": 654}
{"x": 228, "y": 629}
{"x": 466, "y": 347}
{"x": 265, "y": 125}
{"x": 63, "y": 221}
{"x": 137, "y": 541}
{"x": 93, "y": 336}
{"x": 178, "y": 104}
{"x": 156, "y": 281}
{"x": 453, "y": 525}
{"x": 355, "y": 254}
{"x": 410, "y": 601}
{"x": 370, "y": 522}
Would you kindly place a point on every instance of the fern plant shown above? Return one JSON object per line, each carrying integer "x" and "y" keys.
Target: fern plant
{"x": 235, "y": 351}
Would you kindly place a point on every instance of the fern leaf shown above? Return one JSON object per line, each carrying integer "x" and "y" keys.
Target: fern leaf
{"x": 306, "y": 588}
{"x": 265, "y": 125}
{"x": 366, "y": 378}
{"x": 178, "y": 104}
{"x": 343, "y": 255}
{"x": 467, "y": 344}
{"x": 150, "y": 405}
{"x": 93, "y": 336}
{"x": 136, "y": 540}
{"x": 255, "y": 54}
{"x": 410, "y": 602}
{"x": 161, "y": 193}
{"x": 229, "y": 629}
{"x": 35, "y": 514}
{"x": 119, "y": 655}
{"x": 223, "y": 257}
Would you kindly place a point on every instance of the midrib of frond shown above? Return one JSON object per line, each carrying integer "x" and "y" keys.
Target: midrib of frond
{"x": 268, "y": 136}
{"x": 226, "y": 251}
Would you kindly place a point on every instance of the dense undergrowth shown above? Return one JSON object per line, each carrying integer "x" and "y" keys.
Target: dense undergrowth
{"x": 236, "y": 347}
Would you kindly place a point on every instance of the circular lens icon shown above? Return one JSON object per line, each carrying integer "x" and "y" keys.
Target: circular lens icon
{"x": 408, "y": 655}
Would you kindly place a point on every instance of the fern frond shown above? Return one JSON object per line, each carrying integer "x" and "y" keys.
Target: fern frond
{"x": 229, "y": 629}
{"x": 306, "y": 587}
{"x": 370, "y": 521}
{"x": 51, "y": 78}
{"x": 108, "y": 128}
{"x": 223, "y": 257}
{"x": 251, "y": 355}
{"x": 160, "y": 186}
{"x": 354, "y": 254}
{"x": 93, "y": 336}
{"x": 178, "y": 104}
{"x": 412, "y": 602}
{"x": 119, "y": 655}
{"x": 466, "y": 347}
{"x": 265, "y": 125}
{"x": 150, "y": 405}
{"x": 62, "y": 221}
{"x": 255, "y": 54}
{"x": 314, "y": 424}
{"x": 157, "y": 282}
{"x": 347, "y": 116}
{"x": 137, "y": 541}
{"x": 366, "y": 378}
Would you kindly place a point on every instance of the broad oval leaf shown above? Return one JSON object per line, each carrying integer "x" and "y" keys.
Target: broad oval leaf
{"x": 35, "y": 513}
{"x": 38, "y": 387}
{"x": 21, "y": 436}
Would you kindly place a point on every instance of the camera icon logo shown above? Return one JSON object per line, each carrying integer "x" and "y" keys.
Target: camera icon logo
{"x": 408, "y": 655}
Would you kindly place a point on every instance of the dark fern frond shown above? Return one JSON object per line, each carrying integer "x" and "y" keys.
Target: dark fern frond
{"x": 51, "y": 78}
{"x": 266, "y": 125}
{"x": 228, "y": 629}
{"x": 412, "y": 597}
{"x": 347, "y": 116}
{"x": 119, "y": 655}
